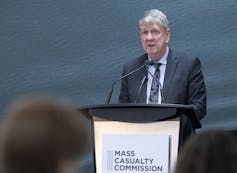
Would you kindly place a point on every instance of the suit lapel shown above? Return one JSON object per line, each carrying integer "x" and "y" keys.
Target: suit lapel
{"x": 169, "y": 73}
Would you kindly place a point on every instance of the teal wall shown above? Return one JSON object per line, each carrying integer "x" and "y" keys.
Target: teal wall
{"x": 75, "y": 49}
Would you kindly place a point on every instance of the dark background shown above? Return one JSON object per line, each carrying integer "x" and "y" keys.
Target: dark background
{"x": 75, "y": 49}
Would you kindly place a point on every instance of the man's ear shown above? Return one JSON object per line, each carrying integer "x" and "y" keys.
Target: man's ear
{"x": 167, "y": 33}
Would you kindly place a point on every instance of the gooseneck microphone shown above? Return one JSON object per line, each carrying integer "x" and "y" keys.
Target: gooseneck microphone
{"x": 142, "y": 83}
{"x": 145, "y": 65}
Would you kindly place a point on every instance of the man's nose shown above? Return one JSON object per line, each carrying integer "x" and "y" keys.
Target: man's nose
{"x": 149, "y": 36}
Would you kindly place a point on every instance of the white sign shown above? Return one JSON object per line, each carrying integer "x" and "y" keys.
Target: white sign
{"x": 124, "y": 153}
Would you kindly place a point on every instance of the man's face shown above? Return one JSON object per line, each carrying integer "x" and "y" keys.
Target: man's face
{"x": 154, "y": 40}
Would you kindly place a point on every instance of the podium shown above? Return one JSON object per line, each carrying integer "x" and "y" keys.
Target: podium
{"x": 139, "y": 137}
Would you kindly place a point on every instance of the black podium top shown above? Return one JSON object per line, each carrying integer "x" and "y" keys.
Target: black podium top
{"x": 140, "y": 112}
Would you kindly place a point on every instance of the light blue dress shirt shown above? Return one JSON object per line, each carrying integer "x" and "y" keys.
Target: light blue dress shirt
{"x": 151, "y": 68}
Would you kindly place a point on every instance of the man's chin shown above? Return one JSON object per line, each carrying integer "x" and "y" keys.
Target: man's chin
{"x": 153, "y": 56}
{"x": 151, "y": 52}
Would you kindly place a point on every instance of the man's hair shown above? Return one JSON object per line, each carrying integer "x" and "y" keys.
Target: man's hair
{"x": 154, "y": 16}
{"x": 212, "y": 151}
{"x": 38, "y": 133}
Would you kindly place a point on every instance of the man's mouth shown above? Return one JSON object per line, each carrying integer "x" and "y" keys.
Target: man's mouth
{"x": 150, "y": 45}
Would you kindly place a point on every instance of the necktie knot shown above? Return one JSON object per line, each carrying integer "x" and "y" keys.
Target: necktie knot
{"x": 157, "y": 66}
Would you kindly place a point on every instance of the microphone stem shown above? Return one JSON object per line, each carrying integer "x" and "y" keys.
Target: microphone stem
{"x": 128, "y": 74}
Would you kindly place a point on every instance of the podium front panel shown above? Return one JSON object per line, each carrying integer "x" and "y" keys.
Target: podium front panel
{"x": 123, "y": 147}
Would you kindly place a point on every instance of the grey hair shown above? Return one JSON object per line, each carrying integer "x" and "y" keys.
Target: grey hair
{"x": 155, "y": 16}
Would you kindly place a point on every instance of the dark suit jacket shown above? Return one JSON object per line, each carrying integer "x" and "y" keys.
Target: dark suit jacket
{"x": 183, "y": 83}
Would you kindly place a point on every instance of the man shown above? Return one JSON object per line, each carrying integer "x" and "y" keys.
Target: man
{"x": 180, "y": 77}
{"x": 41, "y": 135}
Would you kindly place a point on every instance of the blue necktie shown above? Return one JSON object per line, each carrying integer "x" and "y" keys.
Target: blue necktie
{"x": 154, "y": 94}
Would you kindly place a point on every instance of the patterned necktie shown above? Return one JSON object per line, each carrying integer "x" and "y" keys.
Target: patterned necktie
{"x": 154, "y": 94}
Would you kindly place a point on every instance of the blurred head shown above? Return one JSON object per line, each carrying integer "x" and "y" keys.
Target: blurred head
{"x": 41, "y": 135}
{"x": 208, "y": 152}
{"x": 154, "y": 33}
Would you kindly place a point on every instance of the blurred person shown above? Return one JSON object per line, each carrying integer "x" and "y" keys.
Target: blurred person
{"x": 180, "y": 77}
{"x": 42, "y": 135}
{"x": 212, "y": 151}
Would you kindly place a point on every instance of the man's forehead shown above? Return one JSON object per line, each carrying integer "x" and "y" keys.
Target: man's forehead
{"x": 150, "y": 25}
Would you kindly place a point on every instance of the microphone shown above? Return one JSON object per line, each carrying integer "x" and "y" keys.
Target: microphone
{"x": 145, "y": 65}
{"x": 144, "y": 79}
{"x": 142, "y": 83}
{"x": 148, "y": 63}
{"x": 157, "y": 80}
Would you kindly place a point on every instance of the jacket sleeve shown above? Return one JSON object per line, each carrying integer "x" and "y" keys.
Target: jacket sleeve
{"x": 197, "y": 89}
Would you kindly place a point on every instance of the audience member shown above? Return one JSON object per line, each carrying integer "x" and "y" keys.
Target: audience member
{"x": 42, "y": 135}
{"x": 209, "y": 152}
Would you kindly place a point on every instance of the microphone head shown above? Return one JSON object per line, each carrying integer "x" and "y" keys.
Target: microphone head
{"x": 149, "y": 62}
